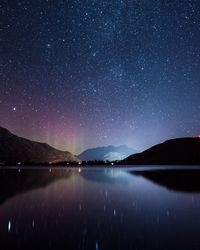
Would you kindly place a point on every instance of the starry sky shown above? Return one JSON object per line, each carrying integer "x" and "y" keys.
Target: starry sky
{"x": 79, "y": 74}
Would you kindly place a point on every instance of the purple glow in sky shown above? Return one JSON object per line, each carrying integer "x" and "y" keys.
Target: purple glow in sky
{"x": 79, "y": 74}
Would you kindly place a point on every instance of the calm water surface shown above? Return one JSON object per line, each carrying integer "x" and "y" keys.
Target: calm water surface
{"x": 99, "y": 209}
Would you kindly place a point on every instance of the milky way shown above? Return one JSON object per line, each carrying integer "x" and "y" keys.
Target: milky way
{"x": 79, "y": 74}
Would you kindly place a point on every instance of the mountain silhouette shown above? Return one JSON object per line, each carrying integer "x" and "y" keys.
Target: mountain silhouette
{"x": 176, "y": 151}
{"x": 15, "y": 149}
{"x": 109, "y": 153}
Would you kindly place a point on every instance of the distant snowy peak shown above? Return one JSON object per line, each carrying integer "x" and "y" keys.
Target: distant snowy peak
{"x": 110, "y": 153}
{"x": 113, "y": 156}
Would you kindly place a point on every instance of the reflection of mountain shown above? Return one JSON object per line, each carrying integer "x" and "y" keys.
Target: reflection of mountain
{"x": 13, "y": 182}
{"x": 109, "y": 153}
{"x": 176, "y": 151}
{"x": 16, "y": 149}
{"x": 178, "y": 180}
{"x": 99, "y": 175}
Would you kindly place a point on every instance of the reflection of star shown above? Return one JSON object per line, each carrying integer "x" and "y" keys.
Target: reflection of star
{"x": 48, "y": 46}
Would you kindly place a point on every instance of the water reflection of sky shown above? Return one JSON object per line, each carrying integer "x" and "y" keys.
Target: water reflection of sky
{"x": 97, "y": 209}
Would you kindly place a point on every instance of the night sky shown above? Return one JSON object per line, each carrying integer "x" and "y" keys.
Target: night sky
{"x": 79, "y": 74}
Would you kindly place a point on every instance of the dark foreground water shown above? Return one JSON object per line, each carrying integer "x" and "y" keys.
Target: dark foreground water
{"x": 99, "y": 209}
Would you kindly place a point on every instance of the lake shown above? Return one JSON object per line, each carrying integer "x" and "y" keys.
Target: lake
{"x": 137, "y": 208}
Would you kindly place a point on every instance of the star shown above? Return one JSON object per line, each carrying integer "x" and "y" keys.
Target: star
{"x": 94, "y": 67}
{"x": 49, "y": 46}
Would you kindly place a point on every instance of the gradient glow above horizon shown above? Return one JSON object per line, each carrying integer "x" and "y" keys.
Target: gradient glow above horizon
{"x": 79, "y": 74}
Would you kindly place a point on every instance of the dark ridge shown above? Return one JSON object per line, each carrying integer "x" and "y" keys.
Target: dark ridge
{"x": 185, "y": 151}
{"x": 14, "y": 149}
